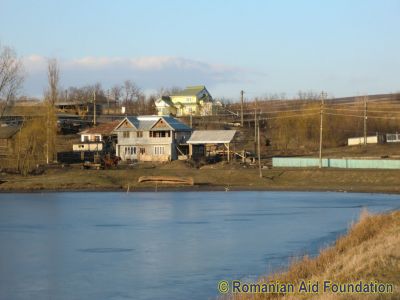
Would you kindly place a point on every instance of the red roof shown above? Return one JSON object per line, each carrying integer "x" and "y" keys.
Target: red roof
{"x": 103, "y": 129}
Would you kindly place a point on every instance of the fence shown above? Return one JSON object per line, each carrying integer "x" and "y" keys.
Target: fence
{"x": 297, "y": 162}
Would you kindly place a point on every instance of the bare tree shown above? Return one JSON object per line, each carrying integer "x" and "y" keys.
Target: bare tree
{"x": 53, "y": 76}
{"x": 168, "y": 91}
{"x": 116, "y": 93}
{"x": 11, "y": 77}
{"x": 51, "y": 96}
{"x": 132, "y": 94}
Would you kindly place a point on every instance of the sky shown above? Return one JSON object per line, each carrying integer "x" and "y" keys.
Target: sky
{"x": 264, "y": 47}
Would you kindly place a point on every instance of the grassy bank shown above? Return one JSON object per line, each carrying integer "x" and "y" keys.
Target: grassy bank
{"x": 211, "y": 177}
{"x": 369, "y": 252}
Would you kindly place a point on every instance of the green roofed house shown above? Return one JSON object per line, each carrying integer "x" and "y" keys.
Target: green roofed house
{"x": 194, "y": 100}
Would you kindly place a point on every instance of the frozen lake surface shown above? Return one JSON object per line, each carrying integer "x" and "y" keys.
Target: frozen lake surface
{"x": 175, "y": 245}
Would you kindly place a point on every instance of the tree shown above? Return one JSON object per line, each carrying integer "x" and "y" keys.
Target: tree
{"x": 116, "y": 93}
{"x": 132, "y": 94}
{"x": 51, "y": 96}
{"x": 11, "y": 77}
{"x": 53, "y": 76}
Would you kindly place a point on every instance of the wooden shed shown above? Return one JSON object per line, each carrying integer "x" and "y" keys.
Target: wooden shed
{"x": 201, "y": 139}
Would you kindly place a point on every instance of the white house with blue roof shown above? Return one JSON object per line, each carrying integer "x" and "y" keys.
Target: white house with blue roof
{"x": 151, "y": 138}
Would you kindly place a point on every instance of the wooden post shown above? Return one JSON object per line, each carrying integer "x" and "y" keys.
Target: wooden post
{"x": 259, "y": 152}
{"x": 190, "y": 150}
{"x": 241, "y": 108}
{"x": 229, "y": 153}
{"x": 321, "y": 128}
{"x": 365, "y": 120}
{"x": 94, "y": 108}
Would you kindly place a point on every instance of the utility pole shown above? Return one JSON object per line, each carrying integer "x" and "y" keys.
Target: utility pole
{"x": 259, "y": 148}
{"x": 47, "y": 133}
{"x": 255, "y": 129}
{"x": 365, "y": 119}
{"x": 108, "y": 102}
{"x": 94, "y": 108}
{"x": 241, "y": 107}
{"x": 320, "y": 129}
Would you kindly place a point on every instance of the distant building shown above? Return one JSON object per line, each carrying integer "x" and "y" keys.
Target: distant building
{"x": 393, "y": 137}
{"x": 375, "y": 139}
{"x": 7, "y": 139}
{"x": 194, "y": 100}
{"x": 151, "y": 138}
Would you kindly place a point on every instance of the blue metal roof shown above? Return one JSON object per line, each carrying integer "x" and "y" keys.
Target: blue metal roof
{"x": 145, "y": 123}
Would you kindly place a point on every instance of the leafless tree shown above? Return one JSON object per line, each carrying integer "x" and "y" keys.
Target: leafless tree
{"x": 132, "y": 94}
{"x": 116, "y": 93}
{"x": 167, "y": 91}
{"x": 53, "y": 76}
{"x": 11, "y": 77}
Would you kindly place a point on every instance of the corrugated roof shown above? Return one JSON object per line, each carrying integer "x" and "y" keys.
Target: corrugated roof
{"x": 7, "y": 132}
{"x": 211, "y": 136}
{"x": 103, "y": 129}
{"x": 145, "y": 123}
{"x": 176, "y": 124}
{"x": 190, "y": 91}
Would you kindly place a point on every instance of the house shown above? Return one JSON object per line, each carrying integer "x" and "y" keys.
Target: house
{"x": 7, "y": 138}
{"x": 194, "y": 100}
{"x": 165, "y": 106}
{"x": 151, "y": 138}
{"x": 99, "y": 138}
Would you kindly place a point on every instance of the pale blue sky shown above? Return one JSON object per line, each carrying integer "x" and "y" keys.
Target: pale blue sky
{"x": 342, "y": 47}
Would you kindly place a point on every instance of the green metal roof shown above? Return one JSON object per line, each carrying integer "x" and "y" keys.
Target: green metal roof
{"x": 190, "y": 91}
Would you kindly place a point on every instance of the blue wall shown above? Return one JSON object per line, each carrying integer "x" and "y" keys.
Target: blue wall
{"x": 293, "y": 162}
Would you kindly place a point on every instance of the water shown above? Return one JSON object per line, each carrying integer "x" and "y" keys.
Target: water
{"x": 161, "y": 245}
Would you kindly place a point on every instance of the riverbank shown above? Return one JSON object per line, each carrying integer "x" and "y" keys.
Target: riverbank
{"x": 213, "y": 177}
{"x": 368, "y": 253}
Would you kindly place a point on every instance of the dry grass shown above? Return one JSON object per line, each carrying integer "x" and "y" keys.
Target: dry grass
{"x": 370, "y": 251}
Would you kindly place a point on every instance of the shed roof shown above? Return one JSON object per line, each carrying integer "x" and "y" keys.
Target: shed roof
{"x": 211, "y": 136}
{"x": 103, "y": 129}
{"x": 7, "y": 132}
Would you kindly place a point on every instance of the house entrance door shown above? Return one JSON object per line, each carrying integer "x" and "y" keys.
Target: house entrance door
{"x": 128, "y": 152}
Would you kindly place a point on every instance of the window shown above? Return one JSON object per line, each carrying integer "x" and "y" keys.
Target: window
{"x": 86, "y": 138}
{"x": 142, "y": 150}
{"x": 125, "y": 134}
{"x": 158, "y": 134}
{"x": 139, "y": 134}
{"x": 97, "y": 138}
{"x": 159, "y": 150}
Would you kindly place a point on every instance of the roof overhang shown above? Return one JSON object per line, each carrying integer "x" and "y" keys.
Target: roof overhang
{"x": 212, "y": 137}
